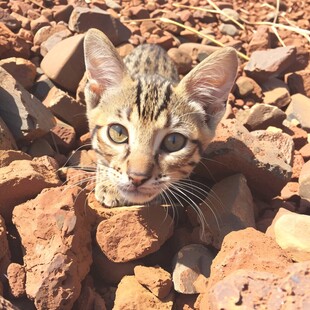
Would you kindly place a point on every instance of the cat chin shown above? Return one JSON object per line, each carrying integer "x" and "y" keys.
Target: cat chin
{"x": 137, "y": 197}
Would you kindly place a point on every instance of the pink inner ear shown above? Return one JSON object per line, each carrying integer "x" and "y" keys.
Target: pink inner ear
{"x": 95, "y": 88}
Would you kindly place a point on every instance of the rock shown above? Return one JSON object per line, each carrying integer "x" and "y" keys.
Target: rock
{"x": 47, "y": 31}
{"x": 40, "y": 147}
{"x": 229, "y": 12}
{"x": 196, "y": 49}
{"x": 55, "y": 266}
{"x": 155, "y": 279}
{"x": 9, "y": 21}
{"x": 8, "y": 156}
{"x": 67, "y": 109}
{"x": 23, "y": 20}
{"x": 298, "y": 163}
{"x": 263, "y": 290}
{"x": 304, "y": 181}
{"x": 229, "y": 29}
{"x": 38, "y": 23}
{"x": 146, "y": 231}
{"x": 270, "y": 63}
{"x": 228, "y": 207}
{"x": 5, "y": 255}
{"x": 299, "y": 82}
{"x": 235, "y": 150}
{"x": 130, "y": 294}
{"x": 260, "y": 40}
{"x": 7, "y": 141}
{"x": 26, "y": 117}
{"x": 298, "y": 135}
{"x": 247, "y": 88}
{"x": 147, "y": 26}
{"x": 83, "y": 159}
{"x": 261, "y": 116}
{"x": 276, "y": 93}
{"x": 299, "y": 109}
{"x": 138, "y": 12}
{"x": 83, "y": 18}
{"x": 305, "y": 152}
{"x": 17, "y": 279}
{"x": 24, "y": 179}
{"x": 11, "y": 45}
{"x": 62, "y": 12}
{"x": 23, "y": 70}
{"x": 64, "y": 63}
{"x": 182, "y": 60}
{"x": 190, "y": 262}
{"x": 290, "y": 190}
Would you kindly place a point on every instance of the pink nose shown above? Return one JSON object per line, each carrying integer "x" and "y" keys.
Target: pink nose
{"x": 138, "y": 178}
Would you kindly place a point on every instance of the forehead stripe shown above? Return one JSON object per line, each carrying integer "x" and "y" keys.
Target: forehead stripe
{"x": 166, "y": 99}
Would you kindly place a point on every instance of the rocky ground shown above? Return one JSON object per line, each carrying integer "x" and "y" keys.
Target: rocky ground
{"x": 247, "y": 246}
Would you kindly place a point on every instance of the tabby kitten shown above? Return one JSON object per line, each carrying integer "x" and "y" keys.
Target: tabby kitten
{"x": 150, "y": 130}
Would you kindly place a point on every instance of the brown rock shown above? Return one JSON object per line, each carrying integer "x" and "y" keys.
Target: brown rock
{"x": 67, "y": 109}
{"x": 8, "y": 156}
{"x": 23, "y": 70}
{"x": 62, "y": 12}
{"x": 146, "y": 231}
{"x": 299, "y": 82}
{"x": 17, "y": 279}
{"x": 47, "y": 31}
{"x": 304, "y": 181}
{"x": 147, "y": 26}
{"x": 196, "y": 49}
{"x": 138, "y": 12}
{"x": 38, "y": 23}
{"x": 182, "y": 60}
{"x": 298, "y": 135}
{"x": 290, "y": 190}
{"x": 54, "y": 224}
{"x": 24, "y": 179}
{"x": 276, "y": 93}
{"x": 7, "y": 305}
{"x": 156, "y": 279}
{"x": 247, "y": 88}
{"x": 7, "y": 141}
{"x": 24, "y": 21}
{"x": 305, "y": 152}
{"x": 5, "y": 255}
{"x": 9, "y": 21}
{"x": 41, "y": 147}
{"x": 25, "y": 115}
{"x": 64, "y": 63}
{"x": 130, "y": 294}
{"x": 83, "y": 159}
{"x": 260, "y": 40}
{"x": 298, "y": 163}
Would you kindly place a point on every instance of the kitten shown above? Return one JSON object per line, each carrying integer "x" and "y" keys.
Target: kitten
{"x": 148, "y": 129}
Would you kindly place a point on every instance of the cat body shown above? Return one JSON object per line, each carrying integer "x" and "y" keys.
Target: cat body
{"x": 148, "y": 129}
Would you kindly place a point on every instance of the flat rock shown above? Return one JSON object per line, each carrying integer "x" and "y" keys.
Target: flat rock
{"x": 24, "y": 179}
{"x": 5, "y": 255}
{"x": 299, "y": 109}
{"x": 7, "y": 141}
{"x": 64, "y": 63}
{"x": 235, "y": 150}
{"x": 130, "y": 294}
{"x": 146, "y": 231}
{"x": 17, "y": 279}
{"x": 304, "y": 181}
{"x": 261, "y": 116}
{"x": 189, "y": 263}
{"x": 156, "y": 279}
{"x": 56, "y": 237}
{"x": 26, "y": 117}
{"x": 270, "y": 63}
{"x": 276, "y": 93}
{"x": 82, "y": 19}
{"x": 228, "y": 207}
{"x": 24, "y": 71}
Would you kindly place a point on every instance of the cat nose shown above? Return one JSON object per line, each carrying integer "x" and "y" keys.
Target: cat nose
{"x": 138, "y": 178}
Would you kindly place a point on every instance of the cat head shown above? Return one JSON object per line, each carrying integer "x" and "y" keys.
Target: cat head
{"x": 149, "y": 133}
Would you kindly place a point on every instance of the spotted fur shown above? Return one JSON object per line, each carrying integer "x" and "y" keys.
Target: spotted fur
{"x": 143, "y": 94}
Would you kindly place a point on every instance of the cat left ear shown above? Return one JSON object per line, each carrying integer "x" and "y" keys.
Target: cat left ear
{"x": 210, "y": 82}
{"x": 105, "y": 69}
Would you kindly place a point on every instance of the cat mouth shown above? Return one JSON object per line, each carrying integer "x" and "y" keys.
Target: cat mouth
{"x": 137, "y": 195}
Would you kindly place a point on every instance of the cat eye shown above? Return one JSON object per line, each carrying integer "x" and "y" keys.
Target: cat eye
{"x": 173, "y": 142}
{"x": 118, "y": 133}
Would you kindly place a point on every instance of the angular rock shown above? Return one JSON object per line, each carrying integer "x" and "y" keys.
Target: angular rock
{"x": 17, "y": 279}
{"x": 55, "y": 234}
{"x": 83, "y": 18}
{"x": 7, "y": 141}
{"x": 62, "y": 12}
{"x": 260, "y": 40}
{"x": 299, "y": 109}
{"x": 227, "y": 12}
{"x": 196, "y": 50}
{"x": 26, "y": 117}
{"x": 182, "y": 60}
{"x": 146, "y": 231}
{"x": 36, "y": 24}
{"x": 130, "y": 294}
{"x": 270, "y": 63}
{"x": 264, "y": 290}
{"x": 5, "y": 255}
{"x": 9, "y": 21}
{"x": 189, "y": 263}
{"x": 235, "y": 150}
{"x": 8, "y": 156}
{"x": 41, "y": 147}
{"x": 47, "y": 31}
{"x": 299, "y": 136}
{"x": 24, "y": 179}
{"x": 64, "y": 63}
{"x": 67, "y": 109}
{"x": 23, "y": 70}
{"x": 305, "y": 152}
{"x": 299, "y": 82}
{"x": 261, "y": 116}
{"x": 276, "y": 93}
{"x": 229, "y": 207}
{"x": 156, "y": 279}
{"x": 304, "y": 181}
{"x": 247, "y": 88}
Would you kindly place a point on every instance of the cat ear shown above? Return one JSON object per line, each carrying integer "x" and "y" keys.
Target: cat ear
{"x": 104, "y": 67}
{"x": 210, "y": 82}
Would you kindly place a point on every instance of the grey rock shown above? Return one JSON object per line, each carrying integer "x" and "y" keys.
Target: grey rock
{"x": 229, "y": 29}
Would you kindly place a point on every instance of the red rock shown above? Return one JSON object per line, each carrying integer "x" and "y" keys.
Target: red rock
{"x": 23, "y": 70}
{"x": 62, "y": 12}
{"x": 276, "y": 93}
{"x": 130, "y": 294}
{"x": 138, "y": 12}
{"x": 67, "y": 109}
{"x": 299, "y": 82}
{"x": 47, "y": 31}
{"x": 290, "y": 190}
{"x": 305, "y": 152}
{"x": 182, "y": 60}
{"x": 26, "y": 117}
{"x": 304, "y": 181}
{"x": 7, "y": 141}
{"x": 147, "y": 27}
{"x": 5, "y": 255}
{"x": 56, "y": 236}
{"x": 298, "y": 135}
{"x": 194, "y": 49}
{"x": 260, "y": 40}
{"x": 247, "y": 88}
{"x": 38, "y": 23}
{"x": 298, "y": 162}
{"x": 138, "y": 239}
{"x": 156, "y": 279}
{"x": 17, "y": 279}
{"x": 24, "y": 179}
{"x": 8, "y": 156}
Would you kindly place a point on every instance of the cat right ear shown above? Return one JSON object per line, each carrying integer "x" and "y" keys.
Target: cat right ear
{"x": 104, "y": 67}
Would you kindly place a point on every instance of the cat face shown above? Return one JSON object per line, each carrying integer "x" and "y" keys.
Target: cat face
{"x": 148, "y": 132}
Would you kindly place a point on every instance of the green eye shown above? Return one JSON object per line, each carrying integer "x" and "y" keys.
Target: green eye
{"x": 118, "y": 133}
{"x": 173, "y": 142}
